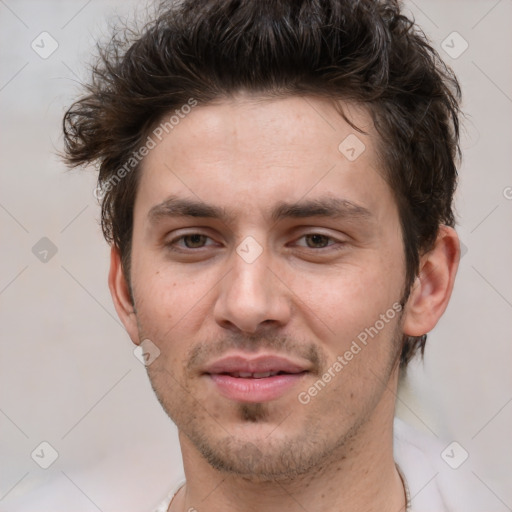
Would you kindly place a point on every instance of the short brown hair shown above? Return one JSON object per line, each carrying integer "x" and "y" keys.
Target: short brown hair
{"x": 365, "y": 51}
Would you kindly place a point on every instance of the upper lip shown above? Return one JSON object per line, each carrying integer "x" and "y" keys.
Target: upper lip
{"x": 258, "y": 364}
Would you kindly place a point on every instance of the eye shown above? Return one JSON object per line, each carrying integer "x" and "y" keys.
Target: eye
{"x": 194, "y": 241}
{"x": 190, "y": 241}
{"x": 316, "y": 241}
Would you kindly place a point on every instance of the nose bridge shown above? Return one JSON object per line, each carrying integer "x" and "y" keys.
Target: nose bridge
{"x": 249, "y": 279}
{"x": 250, "y": 294}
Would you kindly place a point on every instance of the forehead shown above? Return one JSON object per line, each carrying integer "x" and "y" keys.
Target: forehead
{"x": 255, "y": 152}
{"x": 244, "y": 124}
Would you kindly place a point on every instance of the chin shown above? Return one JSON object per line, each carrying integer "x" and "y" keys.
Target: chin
{"x": 258, "y": 454}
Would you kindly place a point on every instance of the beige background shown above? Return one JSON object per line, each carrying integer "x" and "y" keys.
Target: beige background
{"x": 67, "y": 369}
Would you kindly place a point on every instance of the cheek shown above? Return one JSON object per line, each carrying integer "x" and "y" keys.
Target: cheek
{"x": 350, "y": 296}
{"x": 157, "y": 287}
{"x": 160, "y": 302}
{"x": 171, "y": 308}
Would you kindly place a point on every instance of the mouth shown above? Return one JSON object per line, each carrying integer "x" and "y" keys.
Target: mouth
{"x": 261, "y": 379}
{"x": 255, "y": 375}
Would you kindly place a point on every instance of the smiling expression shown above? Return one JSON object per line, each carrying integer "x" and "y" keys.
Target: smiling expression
{"x": 259, "y": 253}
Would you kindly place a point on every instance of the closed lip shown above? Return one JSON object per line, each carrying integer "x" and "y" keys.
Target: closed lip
{"x": 237, "y": 364}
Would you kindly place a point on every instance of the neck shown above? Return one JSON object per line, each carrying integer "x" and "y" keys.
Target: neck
{"x": 359, "y": 476}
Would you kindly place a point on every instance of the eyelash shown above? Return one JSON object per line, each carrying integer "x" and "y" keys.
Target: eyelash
{"x": 327, "y": 237}
{"x": 172, "y": 243}
{"x": 330, "y": 246}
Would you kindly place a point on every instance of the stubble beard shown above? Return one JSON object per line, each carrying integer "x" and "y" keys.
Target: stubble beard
{"x": 272, "y": 458}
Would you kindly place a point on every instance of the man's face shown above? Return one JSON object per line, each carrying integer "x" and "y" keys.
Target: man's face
{"x": 275, "y": 252}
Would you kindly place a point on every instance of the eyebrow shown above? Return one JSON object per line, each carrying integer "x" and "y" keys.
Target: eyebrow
{"x": 177, "y": 207}
{"x": 330, "y": 207}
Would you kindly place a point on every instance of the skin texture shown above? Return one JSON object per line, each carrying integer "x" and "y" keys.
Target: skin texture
{"x": 304, "y": 297}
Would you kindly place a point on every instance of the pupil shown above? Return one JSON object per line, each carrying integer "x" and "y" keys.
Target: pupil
{"x": 194, "y": 240}
{"x": 318, "y": 240}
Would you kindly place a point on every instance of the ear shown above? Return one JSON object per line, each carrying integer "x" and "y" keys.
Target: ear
{"x": 121, "y": 295}
{"x": 433, "y": 286}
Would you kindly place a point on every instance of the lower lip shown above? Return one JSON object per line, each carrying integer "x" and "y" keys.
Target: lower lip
{"x": 255, "y": 390}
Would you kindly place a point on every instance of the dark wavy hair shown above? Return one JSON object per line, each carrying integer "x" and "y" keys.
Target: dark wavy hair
{"x": 365, "y": 51}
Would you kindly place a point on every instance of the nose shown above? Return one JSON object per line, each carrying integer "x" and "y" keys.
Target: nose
{"x": 251, "y": 296}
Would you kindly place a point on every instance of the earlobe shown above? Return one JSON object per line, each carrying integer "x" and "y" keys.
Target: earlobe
{"x": 121, "y": 295}
{"x": 433, "y": 286}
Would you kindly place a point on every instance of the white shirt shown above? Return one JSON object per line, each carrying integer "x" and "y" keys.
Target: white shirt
{"x": 435, "y": 475}
{"x": 432, "y": 483}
